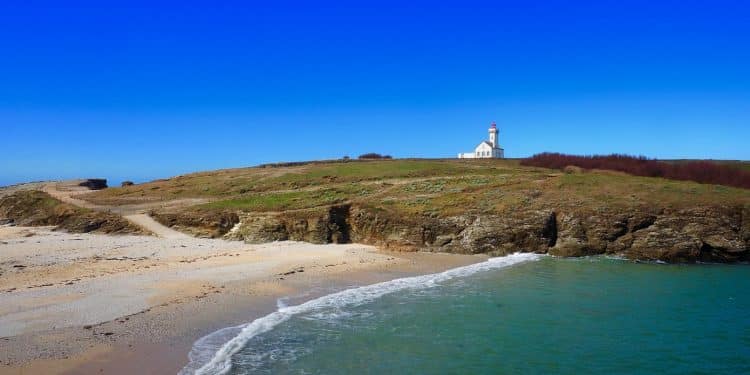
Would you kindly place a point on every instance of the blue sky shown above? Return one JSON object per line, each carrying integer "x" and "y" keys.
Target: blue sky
{"x": 138, "y": 90}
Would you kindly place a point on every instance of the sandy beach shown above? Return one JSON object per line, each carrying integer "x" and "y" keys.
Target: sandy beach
{"x": 85, "y": 303}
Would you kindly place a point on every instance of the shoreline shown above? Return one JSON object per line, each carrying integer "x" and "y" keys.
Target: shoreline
{"x": 157, "y": 339}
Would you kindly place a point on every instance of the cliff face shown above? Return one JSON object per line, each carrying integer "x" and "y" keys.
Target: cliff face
{"x": 705, "y": 234}
{"x": 331, "y": 225}
{"x": 204, "y": 224}
{"x": 709, "y": 234}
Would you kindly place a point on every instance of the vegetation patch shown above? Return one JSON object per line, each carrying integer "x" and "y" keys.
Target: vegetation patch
{"x": 704, "y": 172}
{"x": 374, "y": 156}
{"x": 36, "y": 208}
{"x": 291, "y": 200}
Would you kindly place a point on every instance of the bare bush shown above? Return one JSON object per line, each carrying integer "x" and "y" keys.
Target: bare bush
{"x": 705, "y": 172}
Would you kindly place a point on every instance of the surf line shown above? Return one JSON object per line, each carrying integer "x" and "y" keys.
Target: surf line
{"x": 203, "y": 362}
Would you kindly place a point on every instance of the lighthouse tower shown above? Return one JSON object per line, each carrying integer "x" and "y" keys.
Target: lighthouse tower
{"x": 493, "y": 136}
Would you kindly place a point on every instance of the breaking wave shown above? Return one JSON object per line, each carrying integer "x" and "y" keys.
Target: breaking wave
{"x": 213, "y": 354}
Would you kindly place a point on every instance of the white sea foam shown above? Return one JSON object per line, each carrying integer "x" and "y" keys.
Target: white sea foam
{"x": 209, "y": 356}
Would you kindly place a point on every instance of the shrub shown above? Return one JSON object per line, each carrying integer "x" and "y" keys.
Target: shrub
{"x": 373, "y": 155}
{"x": 572, "y": 169}
{"x": 127, "y": 183}
{"x": 704, "y": 172}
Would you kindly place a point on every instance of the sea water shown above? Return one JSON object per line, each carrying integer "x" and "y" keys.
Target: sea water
{"x": 521, "y": 314}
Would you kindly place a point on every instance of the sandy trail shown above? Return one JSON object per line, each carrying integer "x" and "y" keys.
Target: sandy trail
{"x": 66, "y": 192}
{"x": 136, "y": 214}
{"x": 146, "y": 222}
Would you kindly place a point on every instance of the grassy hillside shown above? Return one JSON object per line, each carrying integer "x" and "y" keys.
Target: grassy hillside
{"x": 467, "y": 206}
{"x": 434, "y": 187}
{"x": 36, "y": 208}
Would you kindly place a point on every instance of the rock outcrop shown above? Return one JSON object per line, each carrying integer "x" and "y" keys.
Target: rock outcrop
{"x": 593, "y": 233}
{"x": 706, "y": 234}
{"x": 701, "y": 234}
{"x": 210, "y": 224}
{"x": 330, "y": 225}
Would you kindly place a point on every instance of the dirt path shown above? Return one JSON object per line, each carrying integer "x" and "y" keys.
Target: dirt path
{"x": 137, "y": 215}
{"x": 66, "y": 192}
{"x": 146, "y": 222}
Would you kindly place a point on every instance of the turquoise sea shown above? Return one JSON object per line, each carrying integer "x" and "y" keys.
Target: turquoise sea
{"x": 521, "y": 314}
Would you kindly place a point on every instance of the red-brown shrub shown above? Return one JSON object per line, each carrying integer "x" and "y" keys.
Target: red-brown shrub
{"x": 373, "y": 155}
{"x": 704, "y": 172}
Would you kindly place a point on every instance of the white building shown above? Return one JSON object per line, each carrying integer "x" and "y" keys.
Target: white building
{"x": 487, "y": 149}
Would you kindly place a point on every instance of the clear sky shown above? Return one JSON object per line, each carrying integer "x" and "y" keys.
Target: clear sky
{"x": 133, "y": 90}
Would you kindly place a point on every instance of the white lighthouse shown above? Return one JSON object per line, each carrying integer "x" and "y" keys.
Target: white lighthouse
{"x": 488, "y": 149}
{"x": 493, "y": 136}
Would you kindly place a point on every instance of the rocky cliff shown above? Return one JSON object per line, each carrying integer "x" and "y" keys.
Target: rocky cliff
{"x": 701, "y": 234}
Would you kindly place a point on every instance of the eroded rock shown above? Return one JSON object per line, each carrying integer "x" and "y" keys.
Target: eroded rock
{"x": 709, "y": 234}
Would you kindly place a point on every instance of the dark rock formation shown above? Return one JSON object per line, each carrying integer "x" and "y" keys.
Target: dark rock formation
{"x": 711, "y": 234}
{"x": 210, "y": 224}
{"x": 377, "y": 227}
{"x": 532, "y": 231}
{"x": 94, "y": 183}
{"x": 127, "y": 183}
{"x": 592, "y": 233}
{"x": 313, "y": 226}
{"x": 705, "y": 234}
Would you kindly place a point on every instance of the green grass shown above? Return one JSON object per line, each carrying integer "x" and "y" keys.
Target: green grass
{"x": 290, "y": 200}
{"x": 406, "y": 187}
{"x": 230, "y": 183}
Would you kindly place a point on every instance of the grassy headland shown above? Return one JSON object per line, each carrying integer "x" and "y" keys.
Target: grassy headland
{"x": 492, "y": 206}
{"x": 445, "y": 187}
